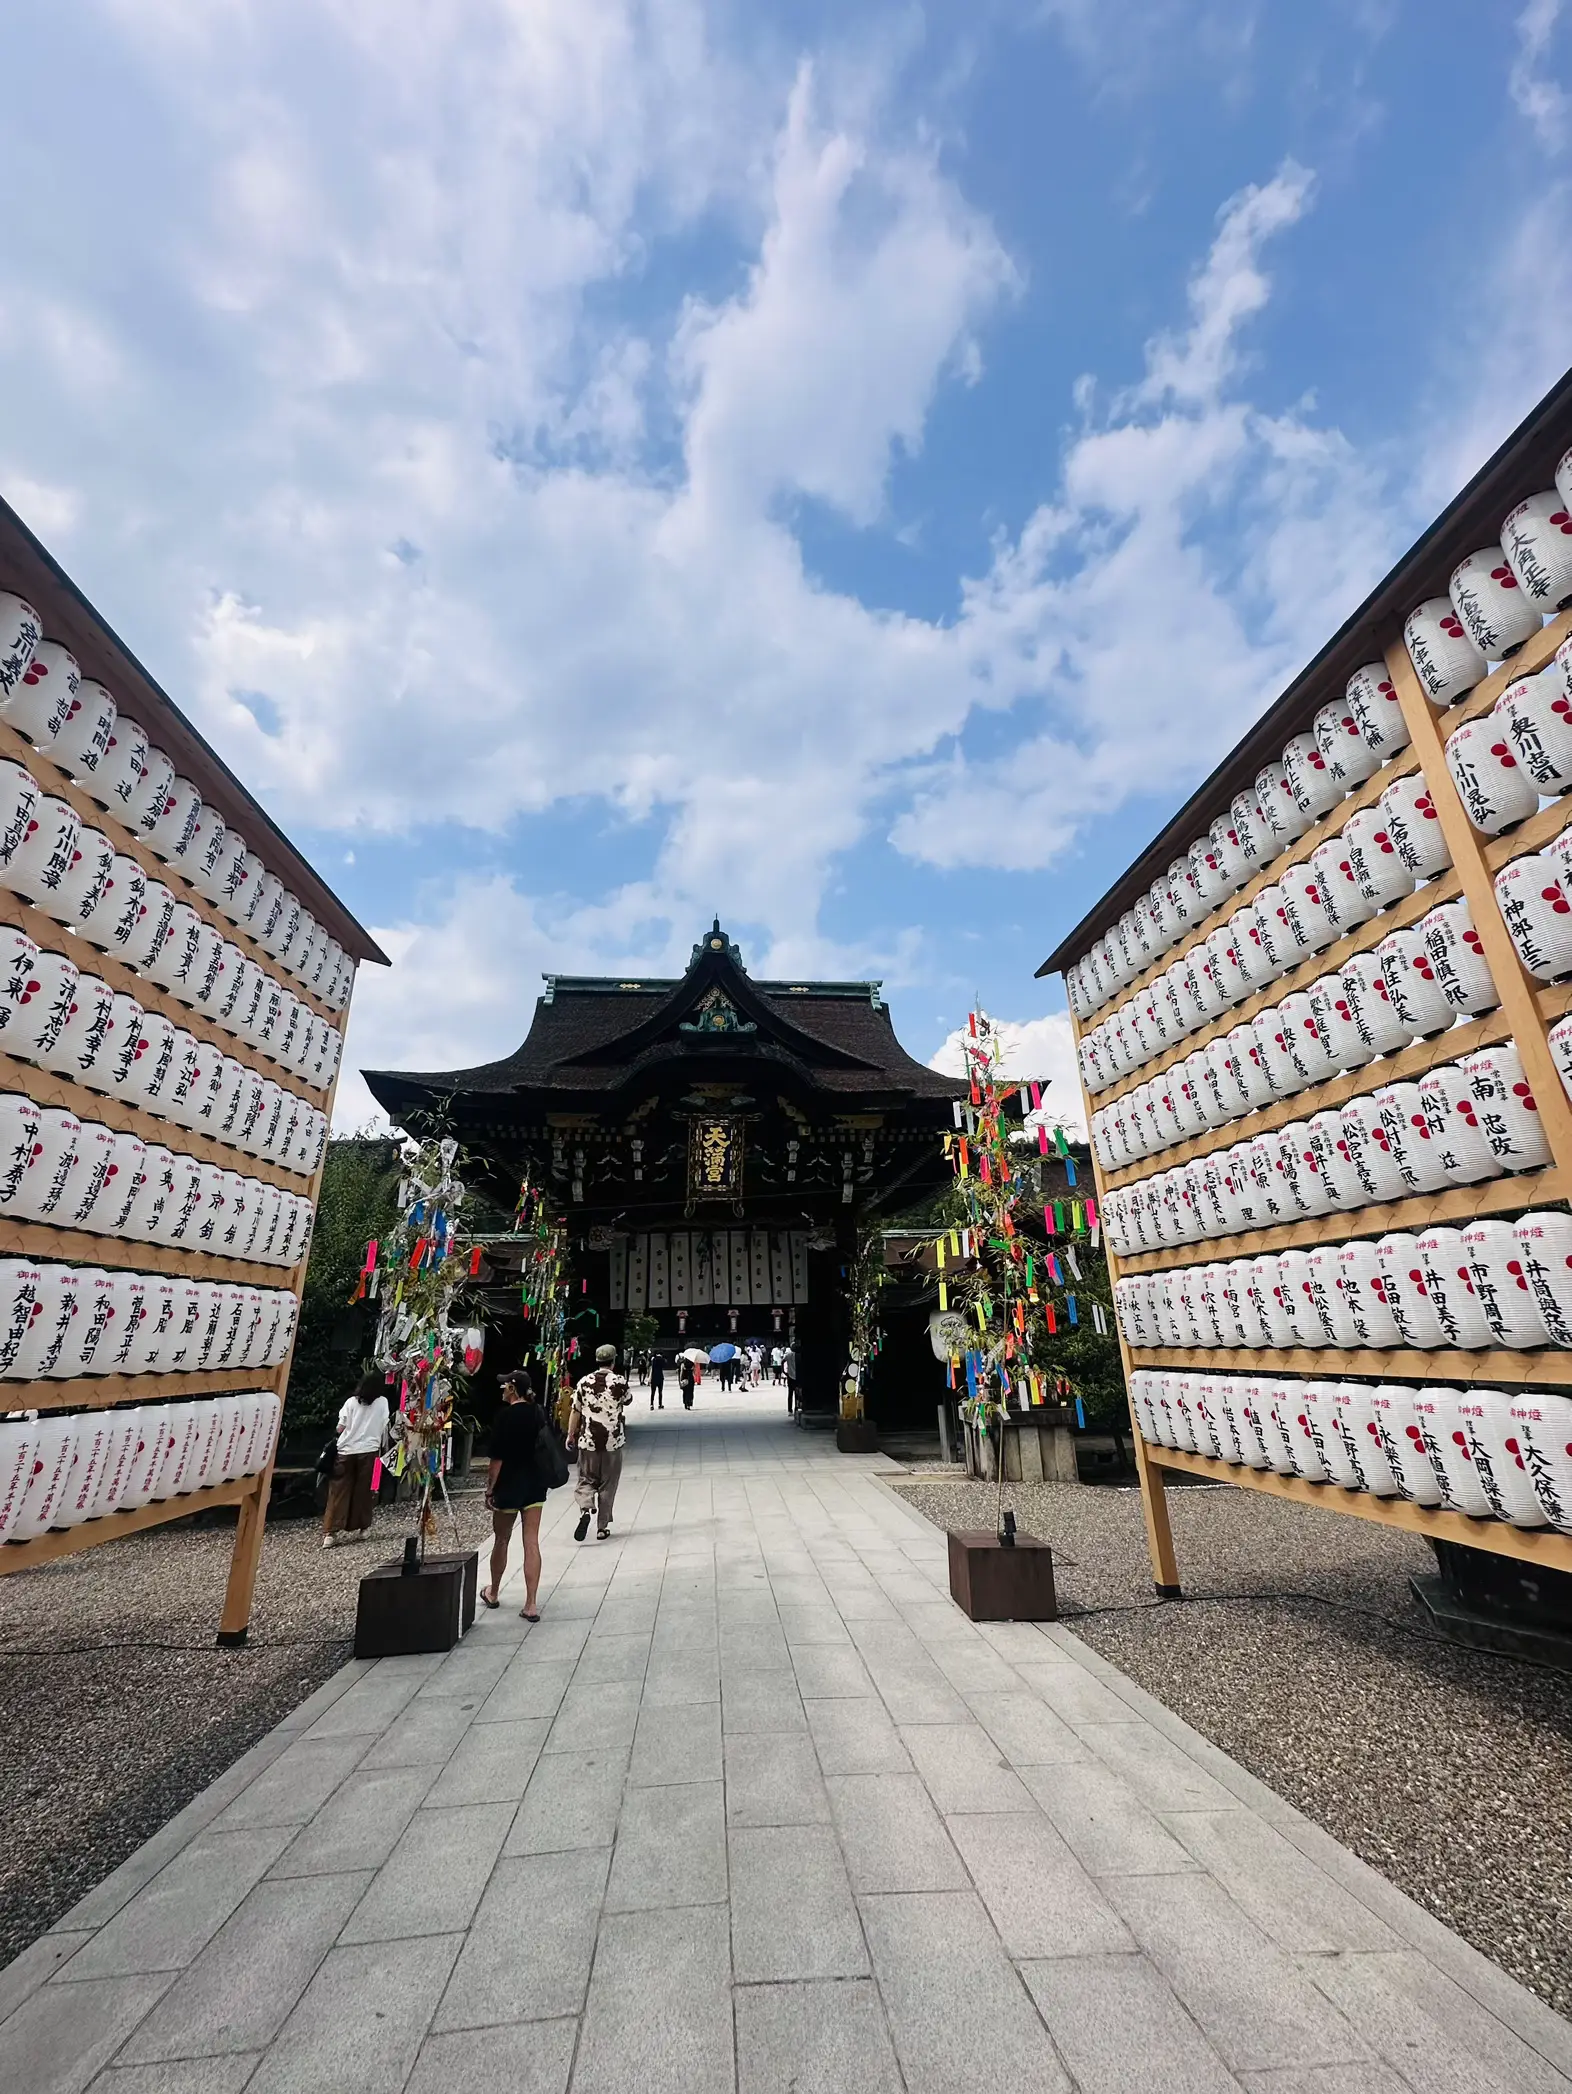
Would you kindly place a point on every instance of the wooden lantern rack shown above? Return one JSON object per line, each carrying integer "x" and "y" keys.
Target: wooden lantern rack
{"x": 1526, "y": 1011}
{"x": 28, "y": 570}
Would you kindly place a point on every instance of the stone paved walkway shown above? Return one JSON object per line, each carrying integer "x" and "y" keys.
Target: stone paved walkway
{"x": 753, "y": 1808}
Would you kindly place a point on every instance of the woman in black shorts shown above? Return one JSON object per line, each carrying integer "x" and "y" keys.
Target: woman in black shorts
{"x": 516, "y": 1484}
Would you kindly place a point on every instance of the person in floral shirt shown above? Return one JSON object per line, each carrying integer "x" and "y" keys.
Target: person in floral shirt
{"x": 597, "y": 1432}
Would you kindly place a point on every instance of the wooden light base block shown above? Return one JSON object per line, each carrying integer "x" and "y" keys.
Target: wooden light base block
{"x": 856, "y": 1436}
{"x": 989, "y": 1582}
{"x": 430, "y": 1611}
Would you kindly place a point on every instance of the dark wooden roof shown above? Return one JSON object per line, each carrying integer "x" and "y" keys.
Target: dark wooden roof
{"x": 1524, "y": 465}
{"x": 591, "y": 1034}
{"x": 28, "y": 570}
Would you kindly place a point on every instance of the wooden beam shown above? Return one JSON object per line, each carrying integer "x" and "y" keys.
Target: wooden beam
{"x": 42, "y": 1243}
{"x": 1530, "y": 1370}
{"x": 1537, "y": 1545}
{"x": 100, "y": 1392}
{"x": 115, "y": 1526}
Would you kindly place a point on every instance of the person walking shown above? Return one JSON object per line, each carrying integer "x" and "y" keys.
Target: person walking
{"x": 789, "y": 1368}
{"x": 362, "y": 1428}
{"x": 597, "y": 1431}
{"x": 516, "y": 1486}
{"x": 657, "y": 1382}
{"x": 685, "y": 1382}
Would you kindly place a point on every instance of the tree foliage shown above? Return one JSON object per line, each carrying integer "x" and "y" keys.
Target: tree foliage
{"x": 359, "y": 1200}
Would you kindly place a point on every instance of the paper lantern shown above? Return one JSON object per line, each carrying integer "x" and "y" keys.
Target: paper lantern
{"x": 85, "y": 1034}
{"x": 1415, "y": 996}
{"x": 93, "y": 1332}
{"x": 1494, "y": 1450}
{"x": 1270, "y": 1399}
{"x": 122, "y": 1181}
{"x": 95, "y": 1155}
{"x": 1283, "y": 819}
{"x": 1364, "y": 990}
{"x": 43, "y": 1183}
{"x": 38, "y": 702}
{"x": 152, "y": 794}
{"x": 78, "y": 895}
{"x": 1402, "y": 1441}
{"x": 1449, "y": 1285}
{"x": 84, "y": 738}
{"x": 1537, "y": 913}
{"x": 1339, "y": 736}
{"x": 1541, "y": 1426}
{"x": 1407, "y": 1295}
{"x": 1438, "y": 1413}
{"x": 147, "y": 1455}
{"x": 1414, "y": 827}
{"x": 54, "y": 1313}
{"x": 1293, "y": 1282}
{"x": 1505, "y": 1103}
{"x": 245, "y": 893}
{"x": 1449, "y": 1106}
{"x": 20, "y": 798}
{"x": 18, "y": 1446}
{"x": 1537, "y": 541}
{"x": 1363, "y": 1281}
{"x": 46, "y": 852}
{"x": 21, "y": 630}
{"x": 115, "y": 917}
{"x": 1378, "y": 872}
{"x": 54, "y": 1445}
{"x": 1344, "y": 900}
{"x": 1496, "y": 791}
{"x": 1303, "y": 1426}
{"x": 1369, "y": 1150}
{"x": 1309, "y": 778}
{"x": 1305, "y": 911}
{"x": 1495, "y": 613}
{"x": 1535, "y": 713}
{"x": 1445, "y": 658}
{"x": 1303, "y": 1040}
{"x": 1359, "y": 1440}
{"x": 1457, "y": 960}
{"x": 1545, "y": 1245}
{"x": 156, "y": 1183}
{"x": 1501, "y": 1285}
{"x": 118, "y": 779}
{"x": 1372, "y": 698}
{"x": 1330, "y": 1145}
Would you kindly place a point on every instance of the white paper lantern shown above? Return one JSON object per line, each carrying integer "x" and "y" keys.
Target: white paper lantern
{"x": 1305, "y": 912}
{"x": 117, "y": 1053}
{"x": 20, "y": 985}
{"x": 1507, "y": 1111}
{"x": 38, "y": 702}
{"x": 1537, "y": 541}
{"x": 1309, "y": 778}
{"x": 1414, "y": 826}
{"x": 1438, "y": 1413}
{"x": 1406, "y": 1293}
{"x": 1403, "y": 1443}
{"x": 1457, "y": 958}
{"x": 1370, "y": 1151}
{"x": 1378, "y": 872}
{"x": 1415, "y": 996}
{"x": 20, "y": 797}
{"x": 1495, "y": 789}
{"x": 18, "y": 1142}
{"x": 117, "y": 782}
{"x": 1364, "y": 988}
{"x": 1449, "y": 1285}
{"x": 1545, "y": 1245}
{"x": 244, "y": 904}
{"x": 91, "y": 1345}
{"x": 1306, "y": 1045}
{"x": 1339, "y": 736}
{"x": 1269, "y": 1294}
{"x": 1496, "y": 614}
{"x": 21, "y": 629}
{"x": 1301, "y": 1173}
{"x": 156, "y": 1183}
{"x": 1330, "y": 1145}
{"x": 180, "y": 1206}
{"x": 1449, "y": 1106}
{"x": 1282, "y": 817}
{"x": 1272, "y": 1399}
{"x": 1541, "y": 1425}
{"x": 1537, "y": 914}
{"x": 1293, "y": 1279}
{"x": 95, "y": 1154}
{"x": 147, "y": 1458}
{"x": 188, "y": 1424}
{"x": 1303, "y": 1425}
{"x": 1344, "y": 900}
{"x": 119, "y": 909}
{"x": 18, "y": 1447}
{"x": 1535, "y": 713}
{"x": 1359, "y": 1439}
{"x": 152, "y": 794}
{"x": 46, "y": 853}
{"x": 122, "y": 1182}
{"x": 1501, "y": 1285}
{"x": 126, "y": 1443}
{"x": 1324, "y": 1278}
{"x": 82, "y": 745}
{"x": 1445, "y": 658}
{"x": 85, "y": 885}
{"x": 44, "y": 1181}
{"x": 1494, "y": 1449}
{"x": 1372, "y": 699}
{"x": 54, "y": 1312}
{"x": 53, "y": 1449}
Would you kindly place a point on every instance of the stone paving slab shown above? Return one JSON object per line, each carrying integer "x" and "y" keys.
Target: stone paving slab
{"x": 753, "y": 1809}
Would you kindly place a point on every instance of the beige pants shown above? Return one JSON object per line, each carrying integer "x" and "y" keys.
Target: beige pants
{"x": 599, "y": 1474}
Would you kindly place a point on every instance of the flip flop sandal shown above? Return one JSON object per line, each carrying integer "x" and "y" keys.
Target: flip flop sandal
{"x": 527, "y": 1616}
{"x": 486, "y": 1599}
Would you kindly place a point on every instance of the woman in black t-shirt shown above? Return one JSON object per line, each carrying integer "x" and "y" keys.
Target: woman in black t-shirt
{"x": 516, "y": 1484}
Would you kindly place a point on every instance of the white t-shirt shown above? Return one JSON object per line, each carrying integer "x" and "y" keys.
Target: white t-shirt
{"x": 361, "y": 1425}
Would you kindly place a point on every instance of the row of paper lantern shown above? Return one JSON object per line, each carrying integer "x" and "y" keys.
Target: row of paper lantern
{"x": 1500, "y": 762}
{"x": 75, "y": 874}
{"x": 1491, "y": 1283}
{"x": 1413, "y": 984}
{"x": 59, "y": 1322}
{"x": 61, "y": 1471}
{"x": 77, "y": 1026}
{"x": 80, "y": 1174}
{"x": 76, "y": 721}
{"x": 1460, "y": 1124}
{"x": 1486, "y": 1453}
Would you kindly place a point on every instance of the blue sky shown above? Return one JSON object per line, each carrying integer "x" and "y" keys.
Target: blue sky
{"x": 855, "y": 467}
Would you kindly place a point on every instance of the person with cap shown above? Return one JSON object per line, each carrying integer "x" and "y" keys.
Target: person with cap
{"x": 597, "y": 1432}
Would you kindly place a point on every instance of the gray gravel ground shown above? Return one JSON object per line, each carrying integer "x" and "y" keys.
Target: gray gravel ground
{"x": 1448, "y": 1770}
{"x": 118, "y": 1707}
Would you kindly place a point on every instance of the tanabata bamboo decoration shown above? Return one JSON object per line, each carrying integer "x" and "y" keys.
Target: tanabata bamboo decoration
{"x": 544, "y": 1283}
{"x": 1013, "y": 1287}
{"x": 415, "y": 1275}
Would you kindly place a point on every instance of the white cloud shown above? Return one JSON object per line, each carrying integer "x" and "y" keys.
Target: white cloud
{"x": 1535, "y": 94}
{"x": 1200, "y": 551}
{"x": 1036, "y": 1050}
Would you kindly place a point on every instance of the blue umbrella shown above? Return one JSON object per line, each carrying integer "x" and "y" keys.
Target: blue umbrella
{"x": 722, "y": 1352}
